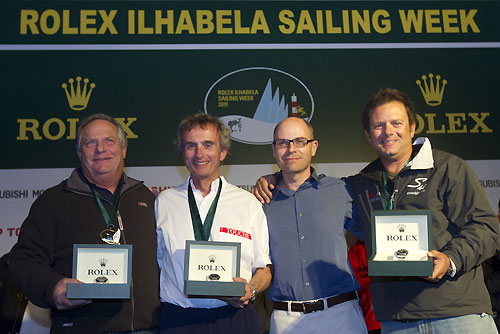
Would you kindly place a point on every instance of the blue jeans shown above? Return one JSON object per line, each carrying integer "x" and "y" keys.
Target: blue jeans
{"x": 465, "y": 324}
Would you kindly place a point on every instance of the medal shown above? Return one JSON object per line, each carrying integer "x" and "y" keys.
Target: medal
{"x": 110, "y": 236}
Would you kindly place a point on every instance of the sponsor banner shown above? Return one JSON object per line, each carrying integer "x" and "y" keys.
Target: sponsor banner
{"x": 150, "y": 92}
{"x": 18, "y": 190}
{"x": 150, "y": 64}
{"x": 56, "y": 22}
{"x": 488, "y": 173}
{"x": 34, "y": 181}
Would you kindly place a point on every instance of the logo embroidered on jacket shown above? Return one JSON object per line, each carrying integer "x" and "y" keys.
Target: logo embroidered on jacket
{"x": 373, "y": 197}
{"x": 419, "y": 186}
{"x": 143, "y": 204}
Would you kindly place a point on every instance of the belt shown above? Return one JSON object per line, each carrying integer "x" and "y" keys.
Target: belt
{"x": 317, "y": 305}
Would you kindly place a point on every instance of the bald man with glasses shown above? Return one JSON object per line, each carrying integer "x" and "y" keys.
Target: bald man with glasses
{"x": 313, "y": 288}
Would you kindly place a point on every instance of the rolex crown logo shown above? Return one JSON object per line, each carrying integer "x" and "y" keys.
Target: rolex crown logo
{"x": 212, "y": 258}
{"x": 103, "y": 262}
{"x": 78, "y": 97}
{"x": 432, "y": 90}
{"x": 401, "y": 228}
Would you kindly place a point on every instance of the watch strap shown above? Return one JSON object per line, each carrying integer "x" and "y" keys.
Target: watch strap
{"x": 254, "y": 292}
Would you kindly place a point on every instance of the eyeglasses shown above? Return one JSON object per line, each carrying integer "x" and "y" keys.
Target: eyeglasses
{"x": 297, "y": 142}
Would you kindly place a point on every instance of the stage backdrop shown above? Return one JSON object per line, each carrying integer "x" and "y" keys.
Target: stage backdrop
{"x": 149, "y": 64}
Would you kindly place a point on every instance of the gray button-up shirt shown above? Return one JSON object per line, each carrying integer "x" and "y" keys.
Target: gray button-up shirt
{"x": 307, "y": 244}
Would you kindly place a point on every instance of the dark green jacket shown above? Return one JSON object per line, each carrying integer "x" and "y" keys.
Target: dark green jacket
{"x": 464, "y": 227}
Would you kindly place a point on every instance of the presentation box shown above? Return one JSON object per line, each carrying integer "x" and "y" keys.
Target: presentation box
{"x": 105, "y": 270}
{"x": 209, "y": 268}
{"x": 400, "y": 242}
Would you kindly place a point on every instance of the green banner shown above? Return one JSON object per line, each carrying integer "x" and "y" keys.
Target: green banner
{"x": 151, "y": 63}
{"x": 248, "y": 21}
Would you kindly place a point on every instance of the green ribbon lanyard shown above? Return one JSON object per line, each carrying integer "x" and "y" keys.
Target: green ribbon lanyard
{"x": 202, "y": 231}
{"x": 108, "y": 218}
{"x": 388, "y": 200}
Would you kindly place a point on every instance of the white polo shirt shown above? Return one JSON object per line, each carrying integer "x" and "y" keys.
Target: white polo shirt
{"x": 239, "y": 218}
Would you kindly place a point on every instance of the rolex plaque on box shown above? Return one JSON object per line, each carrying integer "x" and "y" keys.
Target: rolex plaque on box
{"x": 209, "y": 268}
{"x": 400, "y": 242}
{"x": 105, "y": 270}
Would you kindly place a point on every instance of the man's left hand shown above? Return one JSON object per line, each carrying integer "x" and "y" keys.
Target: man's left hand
{"x": 61, "y": 301}
{"x": 441, "y": 265}
{"x": 237, "y": 301}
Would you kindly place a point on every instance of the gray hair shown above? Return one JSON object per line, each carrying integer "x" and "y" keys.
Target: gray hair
{"x": 95, "y": 117}
{"x": 202, "y": 120}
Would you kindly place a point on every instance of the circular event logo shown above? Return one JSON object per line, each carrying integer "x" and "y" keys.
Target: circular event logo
{"x": 251, "y": 101}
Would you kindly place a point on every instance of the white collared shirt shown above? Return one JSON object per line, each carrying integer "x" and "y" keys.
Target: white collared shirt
{"x": 239, "y": 218}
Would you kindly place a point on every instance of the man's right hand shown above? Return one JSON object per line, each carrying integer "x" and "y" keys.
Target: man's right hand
{"x": 63, "y": 303}
{"x": 263, "y": 187}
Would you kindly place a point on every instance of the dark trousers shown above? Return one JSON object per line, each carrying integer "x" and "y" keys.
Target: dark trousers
{"x": 222, "y": 320}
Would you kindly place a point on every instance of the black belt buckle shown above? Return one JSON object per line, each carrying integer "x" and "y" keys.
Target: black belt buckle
{"x": 309, "y": 307}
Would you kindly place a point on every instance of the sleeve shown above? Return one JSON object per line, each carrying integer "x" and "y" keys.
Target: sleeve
{"x": 160, "y": 241}
{"x": 352, "y": 223}
{"x": 32, "y": 256}
{"x": 261, "y": 240}
{"x": 474, "y": 224}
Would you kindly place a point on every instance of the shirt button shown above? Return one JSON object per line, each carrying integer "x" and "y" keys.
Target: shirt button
{"x": 307, "y": 284}
{"x": 304, "y": 261}
{"x": 300, "y": 214}
{"x": 301, "y": 237}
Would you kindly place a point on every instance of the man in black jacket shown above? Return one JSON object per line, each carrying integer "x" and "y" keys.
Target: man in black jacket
{"x": 74, "y": 212}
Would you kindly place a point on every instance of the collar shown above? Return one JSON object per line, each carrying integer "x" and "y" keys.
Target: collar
{"x": 313, "y": 179}
{"x": 77, "y": 184}
{"x": 103, "y": 192}
{"x": 423, "y": 159}
{"x": 214, "y": 186}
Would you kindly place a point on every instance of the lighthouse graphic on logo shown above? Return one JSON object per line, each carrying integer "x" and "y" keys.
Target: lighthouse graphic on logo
{"x": 294, "y": 106}
{"x": 281, "y": 93}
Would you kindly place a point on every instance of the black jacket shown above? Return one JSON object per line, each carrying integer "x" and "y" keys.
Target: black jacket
{"x": 68, "y": 214}
{"x": 463, "y": 227}
{"x": 12, "y": 301}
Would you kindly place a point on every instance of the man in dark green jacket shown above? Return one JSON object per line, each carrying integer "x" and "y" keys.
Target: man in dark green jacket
{"x": 454, "y": 298}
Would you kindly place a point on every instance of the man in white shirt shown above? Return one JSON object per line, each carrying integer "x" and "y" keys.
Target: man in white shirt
{"x": 235, "y": 216}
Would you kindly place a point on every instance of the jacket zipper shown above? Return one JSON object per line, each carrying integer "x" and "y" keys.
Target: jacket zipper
{"x": 393, "y": 198}
{"x": 132, "y": 299}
